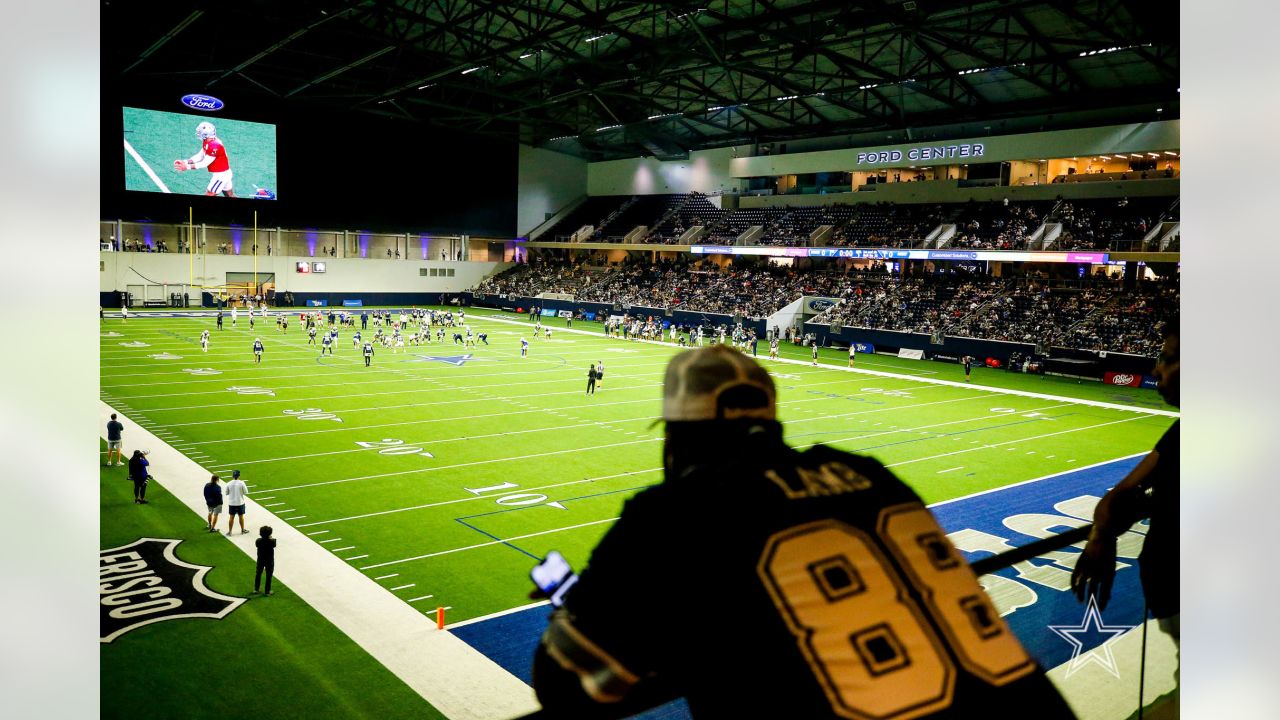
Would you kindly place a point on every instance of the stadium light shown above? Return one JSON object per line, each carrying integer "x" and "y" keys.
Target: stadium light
{"x": 607, "y": 127}
{"x": 664, "y": 115}
{"x": 424, "y": 87}
{"x": 787, "y": 97}
{"x": 597, "y": 37}
{"x": 1168, "y": 152}
{"x": 471, "y": 70}
{"x": 713, "y": 108}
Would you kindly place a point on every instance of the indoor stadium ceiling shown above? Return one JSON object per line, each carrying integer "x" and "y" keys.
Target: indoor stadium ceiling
{"x": 606, "y": 79}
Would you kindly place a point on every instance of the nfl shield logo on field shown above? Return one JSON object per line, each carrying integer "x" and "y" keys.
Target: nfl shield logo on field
{"x": 144, "y": 582}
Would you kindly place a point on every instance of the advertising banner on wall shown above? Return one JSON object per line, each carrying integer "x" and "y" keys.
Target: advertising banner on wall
{"x": 1122, "y": 379}
{"x": 352, "y": 303}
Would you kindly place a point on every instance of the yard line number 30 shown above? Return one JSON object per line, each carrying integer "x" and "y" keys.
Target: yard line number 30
{"x": 877, "y": 652}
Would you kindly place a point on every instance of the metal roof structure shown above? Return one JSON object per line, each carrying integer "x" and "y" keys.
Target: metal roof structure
{"x": 617, "y": 78}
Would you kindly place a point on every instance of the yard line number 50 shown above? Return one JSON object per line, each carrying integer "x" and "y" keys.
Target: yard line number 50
{"x": 875, "y": 650}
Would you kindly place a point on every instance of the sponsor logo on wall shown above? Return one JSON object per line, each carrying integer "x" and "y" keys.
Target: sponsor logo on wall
{"x": 145, "y": 582}
{"x": 1122, "y": 379}
{"x": 205, "y": 103}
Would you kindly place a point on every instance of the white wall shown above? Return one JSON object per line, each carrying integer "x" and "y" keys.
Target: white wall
{"x": 706, "y": 171}
{"x": 344, "y": 274}
{"x": 548, "y": 181}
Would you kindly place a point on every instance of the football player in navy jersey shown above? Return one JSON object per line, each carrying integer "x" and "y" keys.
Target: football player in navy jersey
{"x": 829, "y": 592}
{"x": 257, "y": 350}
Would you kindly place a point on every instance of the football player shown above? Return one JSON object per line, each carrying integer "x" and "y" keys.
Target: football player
{"x": 368, "y": 354}
{"x": 212, "y": 155}
{"x": 204, "y": 341}
{"x": 524, "y": 348}
{"x": 257, "y": 350}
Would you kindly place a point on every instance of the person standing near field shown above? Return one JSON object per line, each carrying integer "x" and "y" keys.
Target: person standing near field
{"x": 115, "y": 429}
{"x": 257, "y": 350}
{"x": 853, "y": 353}
{"x": 815, "y": 353}
{"x": 591, "y": 381}
{"x": 600, "y": 374}
{"x": 236, "y": 493}
{"x": 213, "y": 500}
{"x": 968, "y": 366}
{"x": 219, "y": 318}
{"x": 266, "y": 558}
{"x": 138, "y": 473}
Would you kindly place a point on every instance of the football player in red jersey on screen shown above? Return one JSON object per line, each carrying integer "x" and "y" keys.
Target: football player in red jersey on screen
{"x": 212, "y": 155}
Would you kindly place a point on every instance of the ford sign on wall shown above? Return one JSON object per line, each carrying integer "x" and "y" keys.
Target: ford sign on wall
{"x": 206, "y": 103}
{"x": 820, "y": 304}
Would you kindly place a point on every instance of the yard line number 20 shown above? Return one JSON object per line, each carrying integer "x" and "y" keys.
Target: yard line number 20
{"x": 876, "y": 652}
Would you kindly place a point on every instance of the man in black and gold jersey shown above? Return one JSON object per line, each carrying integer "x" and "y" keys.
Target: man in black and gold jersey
{"x": 762, "y": 582}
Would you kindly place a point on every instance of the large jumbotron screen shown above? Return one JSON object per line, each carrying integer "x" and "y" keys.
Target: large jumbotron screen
{"x": 237, "y": 160}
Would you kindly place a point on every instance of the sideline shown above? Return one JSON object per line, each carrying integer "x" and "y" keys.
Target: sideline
{"x": 449, "y": 674}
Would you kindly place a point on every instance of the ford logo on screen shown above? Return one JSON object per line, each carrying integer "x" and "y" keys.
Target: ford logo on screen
{"x": 207, "y": 103}
{"x": 820, "y": 305}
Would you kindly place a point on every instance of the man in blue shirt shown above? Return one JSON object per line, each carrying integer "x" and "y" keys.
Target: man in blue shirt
{"x": 257, "y": 350}
{"x": 114, "y": 430}
{"x": 213, "y": 499}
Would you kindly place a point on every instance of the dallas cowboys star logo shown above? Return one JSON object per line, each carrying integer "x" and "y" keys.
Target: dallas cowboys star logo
{"x": 1087, "y": 632}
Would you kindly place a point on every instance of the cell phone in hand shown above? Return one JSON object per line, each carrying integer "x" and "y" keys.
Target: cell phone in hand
{"x": 553, "y": 576}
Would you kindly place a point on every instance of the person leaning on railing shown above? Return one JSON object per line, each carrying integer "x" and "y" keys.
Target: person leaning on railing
{"x": 830, "y": 591}
{"x": 1152, "y": 487}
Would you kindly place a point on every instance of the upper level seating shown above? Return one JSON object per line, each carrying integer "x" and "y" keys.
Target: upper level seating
{"x": 997, "y": 225}
{"x": 886, "y": 225}
{"x": 693, "y": 210}
{"x": 590, "y": 212}
{"x": 986, "y": 225}
{"x": 1097, "y": 224}
{"x": 538, "y": 277}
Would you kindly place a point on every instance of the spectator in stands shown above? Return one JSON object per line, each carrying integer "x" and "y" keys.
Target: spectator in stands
{"x": 1128, "y": 501}
{"x": 791, "y": 565}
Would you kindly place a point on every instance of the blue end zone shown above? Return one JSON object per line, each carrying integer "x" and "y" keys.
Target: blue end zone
{"x": 510, "y": 640}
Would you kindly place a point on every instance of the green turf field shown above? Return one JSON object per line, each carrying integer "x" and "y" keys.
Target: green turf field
{"x": 448, "y": 480}
{"x": 159, "y": 138}
{"x": 271, "y": 657}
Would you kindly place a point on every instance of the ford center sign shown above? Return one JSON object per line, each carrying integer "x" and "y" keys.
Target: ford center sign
{"x": 917, "y": 154}
{"x": 206, "y": 103}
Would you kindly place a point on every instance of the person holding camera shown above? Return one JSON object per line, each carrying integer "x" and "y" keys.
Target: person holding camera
{"x": 138, "y": 474}
{"x": 829, "y": 592}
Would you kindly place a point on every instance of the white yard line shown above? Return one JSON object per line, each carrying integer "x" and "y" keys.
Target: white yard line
{"x": 469, "y": 464}
{"x": 419, "y": 422}
{"x": 1000, "y": 444}
{"x": 500, "y": 613}
{"x": 453, "y": 677}
{"x": 472, "y": 498}
{"x": 146, "y": 168}
{"x": 486, "y": 544}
